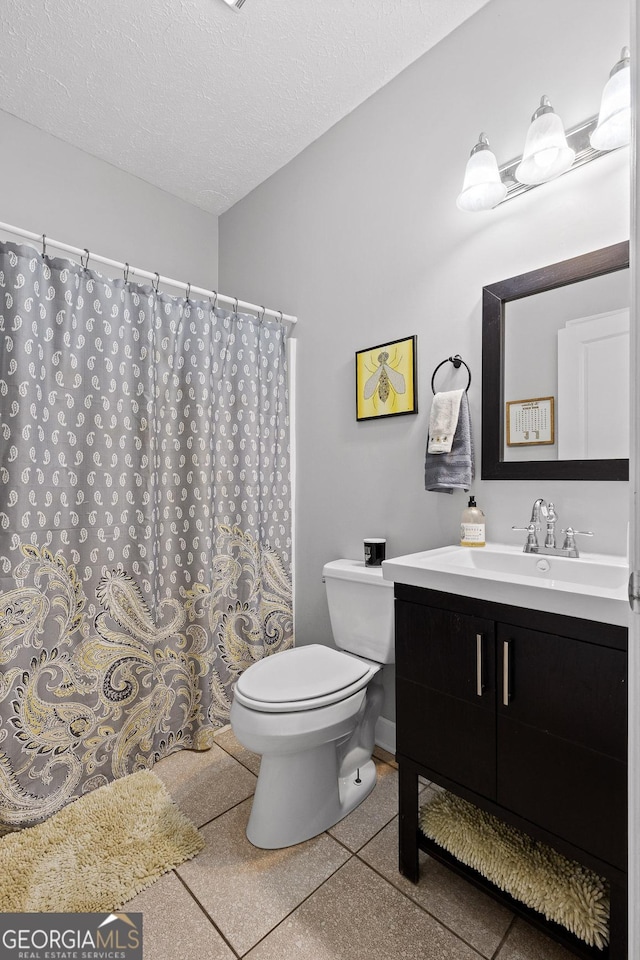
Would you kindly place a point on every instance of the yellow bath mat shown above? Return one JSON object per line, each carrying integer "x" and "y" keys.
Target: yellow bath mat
{"x": 98, "y": 852}
{"x": 533, "y": 873}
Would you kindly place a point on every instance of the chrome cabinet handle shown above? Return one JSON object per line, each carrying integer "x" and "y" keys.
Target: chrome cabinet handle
{"x": 479, "y": 684}
{"x": 506, "y": 695}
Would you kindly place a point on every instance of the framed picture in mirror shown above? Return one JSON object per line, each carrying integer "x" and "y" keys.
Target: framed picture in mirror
{"x": 530, "y": 422}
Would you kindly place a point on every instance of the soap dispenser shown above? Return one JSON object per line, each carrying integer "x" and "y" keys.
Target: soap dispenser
{"x": 472, "y": 527}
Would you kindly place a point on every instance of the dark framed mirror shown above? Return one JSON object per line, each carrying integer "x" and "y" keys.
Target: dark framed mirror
{"x": 555, "y": 371}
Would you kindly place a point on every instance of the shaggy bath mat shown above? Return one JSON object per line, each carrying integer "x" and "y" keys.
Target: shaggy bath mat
{"x": 98, "y": 852}
{"x": 533, "y": 873}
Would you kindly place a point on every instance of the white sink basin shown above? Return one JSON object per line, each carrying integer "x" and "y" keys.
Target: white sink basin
{"x": 592, "y": 586}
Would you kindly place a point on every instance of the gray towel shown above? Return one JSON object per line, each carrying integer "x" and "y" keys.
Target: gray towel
{"x": 446, "y": 472}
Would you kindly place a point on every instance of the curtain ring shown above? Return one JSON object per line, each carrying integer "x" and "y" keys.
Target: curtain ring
{"x": 188, "y": 292}
{"x": 261, "y": 316}
{"x": 44, "y": 245}
{"x": 215, "y": 299}
{"x": 156, "y": 283}
{"x": 85, "y": 259}
{"x": 235, "y": 307}
{"x": 126, "y": 273}
{"x": 281, "y": 316}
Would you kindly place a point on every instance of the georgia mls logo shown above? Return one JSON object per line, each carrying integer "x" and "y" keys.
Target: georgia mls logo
{"x": 70, "y": 936}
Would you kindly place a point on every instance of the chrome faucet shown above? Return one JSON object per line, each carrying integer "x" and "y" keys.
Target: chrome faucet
{"x": 547, "y": 512}
{"x": 536, "y": 512}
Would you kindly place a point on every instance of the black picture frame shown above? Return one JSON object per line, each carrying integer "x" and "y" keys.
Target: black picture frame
{"x": 390, "y": 380}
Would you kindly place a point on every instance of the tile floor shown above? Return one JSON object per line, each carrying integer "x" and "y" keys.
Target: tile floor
{"x": 336, "y": 897}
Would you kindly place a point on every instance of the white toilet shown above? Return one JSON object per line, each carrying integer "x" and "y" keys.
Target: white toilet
{"x": 311, "y": 713}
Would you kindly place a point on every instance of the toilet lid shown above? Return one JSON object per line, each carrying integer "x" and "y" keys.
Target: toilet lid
{"x": 301, "y": 674}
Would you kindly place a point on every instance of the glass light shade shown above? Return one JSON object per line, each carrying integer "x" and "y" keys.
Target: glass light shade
{"x": 482, "y": 188}
{"x": 614, "y": 120}
{"x": 546, "y": 153}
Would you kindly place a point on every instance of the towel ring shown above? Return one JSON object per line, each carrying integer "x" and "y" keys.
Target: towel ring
{"x": 457, "y": 361}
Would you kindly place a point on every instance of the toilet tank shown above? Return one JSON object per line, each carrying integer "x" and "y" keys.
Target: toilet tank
{"x": 361, "y": 609}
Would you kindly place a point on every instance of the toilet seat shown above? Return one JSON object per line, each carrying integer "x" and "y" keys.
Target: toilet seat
{"x": 303, "y": 678}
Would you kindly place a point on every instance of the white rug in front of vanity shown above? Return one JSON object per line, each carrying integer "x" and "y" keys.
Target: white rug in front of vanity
{"x": 533, "y": 873}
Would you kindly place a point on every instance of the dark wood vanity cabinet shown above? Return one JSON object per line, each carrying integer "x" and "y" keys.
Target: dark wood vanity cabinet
{"x": 436, "y": 690}
{"x": 523, "y": 713}
{"x": 561, "y": 738}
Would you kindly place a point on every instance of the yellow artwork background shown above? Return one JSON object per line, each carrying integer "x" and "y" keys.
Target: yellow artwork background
{"x": 401, "y": 353}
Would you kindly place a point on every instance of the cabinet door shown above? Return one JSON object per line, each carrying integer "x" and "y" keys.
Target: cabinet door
{"x": 561, "y": 735}
{"x": 445, "y": 694}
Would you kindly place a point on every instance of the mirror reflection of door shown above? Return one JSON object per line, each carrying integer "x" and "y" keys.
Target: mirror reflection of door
{"x": 593, "y": 387}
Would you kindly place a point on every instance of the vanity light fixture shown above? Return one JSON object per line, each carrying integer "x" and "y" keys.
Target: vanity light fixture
{"x": 614, "y": 120}
{"x": 482, "y": 188}
{"x": 549, "y": 151}
{"x": 546, "y": 152}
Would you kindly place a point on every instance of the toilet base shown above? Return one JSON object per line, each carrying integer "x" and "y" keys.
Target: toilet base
{"x": 299, "y": 797}
{"x": 357, "y": 787}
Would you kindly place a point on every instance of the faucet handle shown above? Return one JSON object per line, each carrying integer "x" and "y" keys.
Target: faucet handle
{"x": 531, "y": 545}
{"x": 570, "y": 537}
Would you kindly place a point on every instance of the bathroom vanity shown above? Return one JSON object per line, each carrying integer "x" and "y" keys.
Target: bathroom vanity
{"x": 521, "y": 711}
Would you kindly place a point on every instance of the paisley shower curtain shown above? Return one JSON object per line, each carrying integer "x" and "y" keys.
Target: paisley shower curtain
{"x": 145, "y": 524}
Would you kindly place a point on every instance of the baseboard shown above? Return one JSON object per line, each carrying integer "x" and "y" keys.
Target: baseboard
{"x": 386, "y": 734}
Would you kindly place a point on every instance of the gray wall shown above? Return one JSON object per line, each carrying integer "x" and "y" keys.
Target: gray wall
{"x": 48, "y": 186}
{"x": 360, "y": 237}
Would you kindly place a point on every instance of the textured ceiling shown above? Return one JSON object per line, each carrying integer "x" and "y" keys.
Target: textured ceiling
{"x": 196, "y": 98}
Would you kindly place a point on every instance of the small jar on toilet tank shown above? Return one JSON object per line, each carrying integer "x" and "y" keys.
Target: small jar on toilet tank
{"x": 374, "y": 551}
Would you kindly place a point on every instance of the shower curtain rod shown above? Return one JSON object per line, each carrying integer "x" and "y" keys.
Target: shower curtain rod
{"x": 137, "y": 272}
